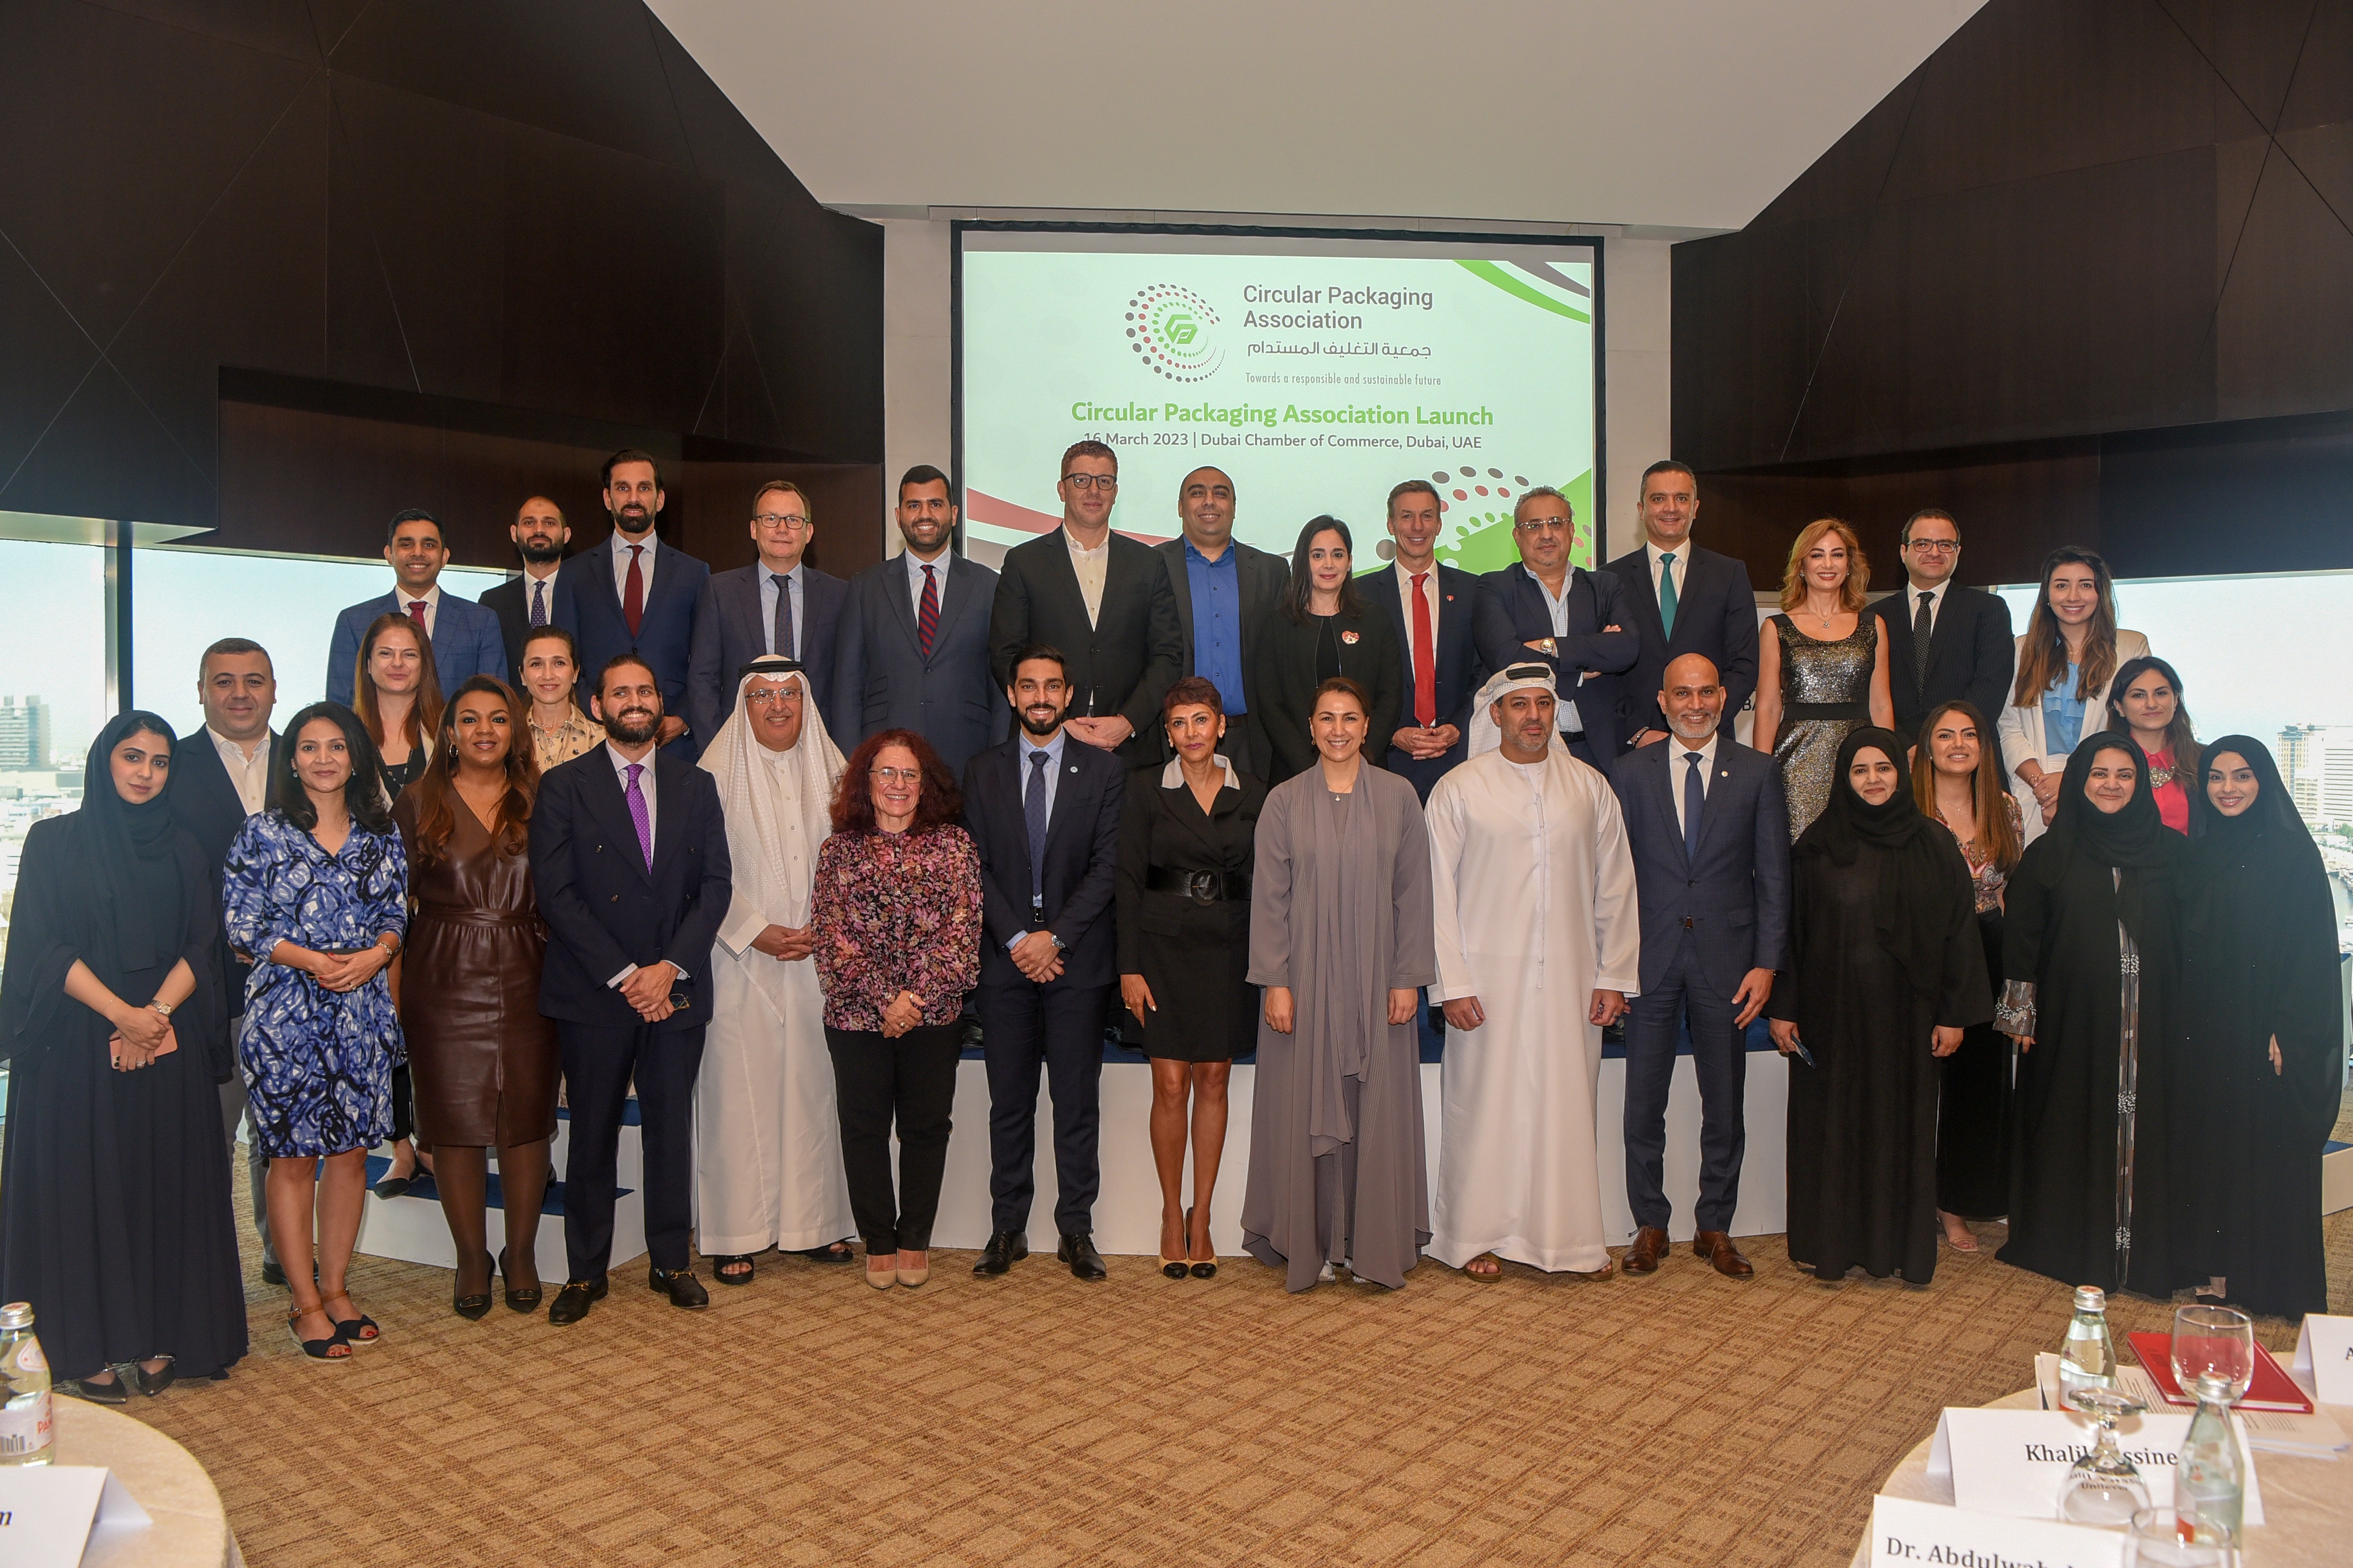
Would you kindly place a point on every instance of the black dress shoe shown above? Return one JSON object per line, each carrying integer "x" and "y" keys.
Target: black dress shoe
{"x": 679, "y": 1285}
{"x": 572, "y": 1303}
{"x": 1005, "y": 1248}
{"x": 1078, "y": 1250}
{"x": 114, "y": 1393}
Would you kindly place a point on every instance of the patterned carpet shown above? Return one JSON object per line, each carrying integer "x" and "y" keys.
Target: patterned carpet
{"x": 807, "y": 1419}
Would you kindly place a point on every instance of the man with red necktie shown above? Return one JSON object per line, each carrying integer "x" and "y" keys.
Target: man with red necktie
{"x": 465, "y": 637}
{"x": 633, "y": 594}
{"x": 1433, "y": 609}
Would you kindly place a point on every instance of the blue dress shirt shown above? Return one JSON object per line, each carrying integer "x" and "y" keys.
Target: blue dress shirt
{"x": 1217, "y": 590}
{"x": 2063, "y": 713}
{"x": 768, "y": 608}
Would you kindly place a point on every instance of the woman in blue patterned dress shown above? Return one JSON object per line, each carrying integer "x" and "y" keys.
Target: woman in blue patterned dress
{"x": 317, "y": 891}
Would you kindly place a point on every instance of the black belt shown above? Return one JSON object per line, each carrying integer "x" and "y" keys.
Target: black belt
{"x": 1201, "y": 886}
{"x": 1825, "y": 711}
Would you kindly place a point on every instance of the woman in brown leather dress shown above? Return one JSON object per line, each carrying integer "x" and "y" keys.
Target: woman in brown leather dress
{"x": 484, "y": 1061}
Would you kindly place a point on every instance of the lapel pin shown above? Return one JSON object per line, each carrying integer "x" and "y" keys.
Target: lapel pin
{"x": 1351, "y": 638}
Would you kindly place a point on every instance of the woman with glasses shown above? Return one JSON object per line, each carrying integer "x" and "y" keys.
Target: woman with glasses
{"x": 2067, "y": 658}
{"x": 1326, "y": 630}
{"x": 896, "y": 915}
{"x": 1341, "y": 938}
{"x": 2145, "y": 702}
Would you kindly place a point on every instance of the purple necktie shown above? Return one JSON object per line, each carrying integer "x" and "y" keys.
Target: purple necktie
{"x": 638, "y": 816}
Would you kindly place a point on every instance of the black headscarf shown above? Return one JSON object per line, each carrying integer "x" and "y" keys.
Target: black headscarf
{"x": 131, "y": 864}
{"x": 2267, "y": 828}
{"x": 1915, "y": 854}
{"x": 2133, "y": 840}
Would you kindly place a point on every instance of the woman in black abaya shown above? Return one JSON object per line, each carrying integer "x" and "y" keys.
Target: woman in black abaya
{"x": 114, "y": 1193}
{"x": 2091, "y": 958}
{"x": 1886, "y": 973}
{"x": 2263, "y": 1065}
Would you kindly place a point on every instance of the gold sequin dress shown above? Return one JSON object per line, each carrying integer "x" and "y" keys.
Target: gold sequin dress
{"x": 1825, "y": 697}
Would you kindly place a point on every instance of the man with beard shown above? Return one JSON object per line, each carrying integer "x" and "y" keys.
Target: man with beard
{"x": 465, "y": 637}
{"x": 629, "y": 854}
{"x": 1044, "y": 815}
{"x": 915, "y": 637}
{"x": 1226, "y": 590}
{"x": 525, "y": 603}
{"x": 635, "y": 595}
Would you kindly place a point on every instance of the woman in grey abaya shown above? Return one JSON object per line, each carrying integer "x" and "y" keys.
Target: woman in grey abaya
{"x": 1340, "y": 937}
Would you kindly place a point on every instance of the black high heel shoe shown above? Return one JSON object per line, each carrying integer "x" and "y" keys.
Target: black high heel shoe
{"x": 473, "y": 1309}
{"x": 525, "y": 1300}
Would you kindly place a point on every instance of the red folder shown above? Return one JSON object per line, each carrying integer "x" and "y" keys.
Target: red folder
{"x": 2272, "y": 1388}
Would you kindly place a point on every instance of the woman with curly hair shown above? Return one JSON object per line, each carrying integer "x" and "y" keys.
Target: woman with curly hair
{"x": 1824, "y": 673}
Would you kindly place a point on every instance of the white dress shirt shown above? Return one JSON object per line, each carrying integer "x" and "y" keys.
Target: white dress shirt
{"x": 621, "y": 766}
{"x": 939, "y": 565}
{"x": 1679, "y": 767}
{"x": 1091, "y": 566}
{"x": 795, "y": 581}
{"x": 1911, "y": 598}
{"x": 1052, "y": 770}
{"x": 1681, "y": 566}
{"x": 621, "y": 564}
{"x": 248, "y": 775}
{"x": 541, "y": 589}
{"x": 431, "y": 599}
{"x": 1571, "y": 722}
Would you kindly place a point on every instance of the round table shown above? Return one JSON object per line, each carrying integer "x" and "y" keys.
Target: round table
{"x": 2308, "y": 1503}
{"x": 190, "y": 1530}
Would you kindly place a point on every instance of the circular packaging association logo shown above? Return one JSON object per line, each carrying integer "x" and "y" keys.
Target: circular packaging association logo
{"x": 1174, "y": 332}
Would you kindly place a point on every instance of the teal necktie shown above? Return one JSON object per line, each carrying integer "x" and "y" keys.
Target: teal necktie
{"x": 1667, "y": 590}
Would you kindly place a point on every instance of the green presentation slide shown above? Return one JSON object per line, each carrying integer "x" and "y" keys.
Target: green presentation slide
{"x": 1317, "y": 373}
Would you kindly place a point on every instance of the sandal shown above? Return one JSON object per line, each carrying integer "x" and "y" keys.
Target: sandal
{"x": 1472, "y": 1270}
{"x": 357, "y": 1330}
{"x": 833, "y": 1252}
{"x": 720, "y": 1264}
{"x": 317, "y": 1350}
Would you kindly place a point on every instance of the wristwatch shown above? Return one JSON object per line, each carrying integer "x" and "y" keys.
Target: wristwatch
{"x": 162, "y": 1007}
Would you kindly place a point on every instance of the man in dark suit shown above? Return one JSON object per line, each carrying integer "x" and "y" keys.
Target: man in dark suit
{"x": 1044, "y": 814}
{"x": 1226, "y": 590}
{"x": 1710, "y": 835}
{"x": 540, "y": 534}
{"x": 1571, "y": 619}
{"x": 629, "y": 854}
{"x": 635, "y": 595}
{"x": 914, "y": 637}
{"x": 1945, "y": 643}
{"x": 238, "y": 690}
{"x": 1434, "y": 611}
{"x": 779, "y": 604}
{"x": 1682, "y": 600}
{"x": 1105, "y": 601}
{"x": 465, "y": 637}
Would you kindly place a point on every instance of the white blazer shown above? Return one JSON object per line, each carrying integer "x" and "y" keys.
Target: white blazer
{"x": 2020, "y": 728}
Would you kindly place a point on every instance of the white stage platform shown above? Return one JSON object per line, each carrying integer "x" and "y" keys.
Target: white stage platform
{"x": 411, "y": 1228}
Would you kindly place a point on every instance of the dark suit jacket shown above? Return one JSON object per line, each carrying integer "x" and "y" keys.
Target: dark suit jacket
{"x": 1082, "y": 870}
{"x": 1262, "y": 577}
{"x": 882, "y": 681}
{"x": 604, "y": 909}
{"x": 466, "y": 643}
{"x": 587, "y": 606}
{"x": 511, "y": 602}
{"x": 1735, "y": 899}
{"x": 1513, "y": 611}
{"x": 729, "y": 634}
{"x": 205, "y": 804}
{"x": 1461, "y": 670}
{"x": 1715, "y": 615}
{"x": 1972, "y": 656}
{"x": 1288, "y": 652}
{"x": 1125, "y": 662}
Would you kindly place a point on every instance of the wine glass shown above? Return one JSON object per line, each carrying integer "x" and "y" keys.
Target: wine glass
{"x": 2102, "y": 1487}
{"x": 2214, "y": 1352}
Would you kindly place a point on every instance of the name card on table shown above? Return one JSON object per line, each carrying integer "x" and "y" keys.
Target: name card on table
{"x": 1907, "y": 1532}
{"x": 2011, "y": 1461}
{"x": 48, "y": 1513}
{"x": 2324, "y": 1358}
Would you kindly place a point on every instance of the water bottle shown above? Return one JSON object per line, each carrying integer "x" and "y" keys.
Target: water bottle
{"x": 27, "y": 1431}
{"x": 2088, "y": 1359}
{"x": 2209, "y": 1484}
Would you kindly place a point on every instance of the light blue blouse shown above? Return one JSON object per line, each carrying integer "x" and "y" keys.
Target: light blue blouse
{"x": 2062, "y": 714}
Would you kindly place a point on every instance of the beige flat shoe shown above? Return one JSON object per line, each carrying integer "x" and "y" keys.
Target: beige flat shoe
{"x": 911, "y": 1278}
{"x": 882, "y": 1278}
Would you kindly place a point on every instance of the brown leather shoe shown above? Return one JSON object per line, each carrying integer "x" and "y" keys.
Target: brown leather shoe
{"x": 1642, "y": 1256}
{"x": 1715, "y": 1246}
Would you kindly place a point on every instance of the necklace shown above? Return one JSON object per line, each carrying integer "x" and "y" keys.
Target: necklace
{"x": 2159, "y": 774}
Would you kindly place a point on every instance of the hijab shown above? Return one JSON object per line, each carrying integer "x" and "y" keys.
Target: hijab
{"x": 2268, "y": 828}
{"x": 1914, "y": 854}
{"x": 2132, "y": 840}
{"x": 130, "y": 851}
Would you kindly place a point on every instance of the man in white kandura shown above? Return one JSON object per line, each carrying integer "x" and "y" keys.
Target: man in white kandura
{"x": 767, "y": 1144}
{"x": 1539, "y": 942}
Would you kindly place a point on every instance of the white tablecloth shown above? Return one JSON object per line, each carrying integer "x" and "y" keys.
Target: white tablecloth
{"x": 189, "y": 1532}
{"x": 2308, "y": 1503}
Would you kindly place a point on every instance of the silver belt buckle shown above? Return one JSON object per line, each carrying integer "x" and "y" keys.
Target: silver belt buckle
{"x": 1204, "y": 888}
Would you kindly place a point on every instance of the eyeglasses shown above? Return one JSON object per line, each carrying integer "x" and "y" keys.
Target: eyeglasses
{"x": 898, "y": 775}
{"x": 1099, "y": 481}
{"x": 780, "y": 519}
{"x": 1937, "y": 546}
{"x": 763, "y": 698}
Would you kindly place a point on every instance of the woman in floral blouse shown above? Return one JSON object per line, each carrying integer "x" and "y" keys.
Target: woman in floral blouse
{"x": 896, "y": 911}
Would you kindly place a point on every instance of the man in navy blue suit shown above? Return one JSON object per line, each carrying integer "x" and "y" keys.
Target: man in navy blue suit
{"x": 779, "y": 604}
{"x": 1681, "y": 599}
{"x": 465, "y": 637}
{"x": 635, "y": 595}
{"x": 1544, "y": 607}
{"x": 1043, "y": 810}
{"x": 1433, "y": 609}
{"x": 1710, "y": 835}
{"x": 629, "y": 856}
